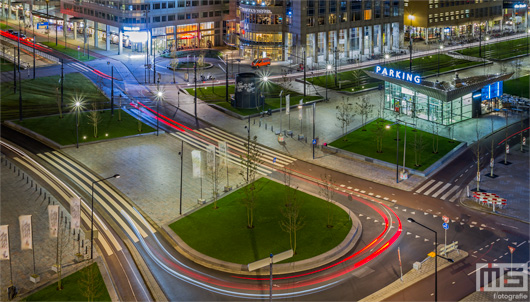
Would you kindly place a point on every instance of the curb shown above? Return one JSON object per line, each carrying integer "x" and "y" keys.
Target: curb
{"x": 412, "y": 277}
{"x": 285, "y": 268}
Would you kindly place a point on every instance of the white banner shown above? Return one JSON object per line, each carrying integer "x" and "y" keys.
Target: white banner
{"x": 53, "y": 217}
{"x": 210, "y": 158}
{"x": 196, "y": 163}
{"x": 4, "y": 242}
{"x": 223, "y": 147}
{"x": 301, "y": 110}
{"x": 287, "y": 104}
{"x": 75, "y": 212}
{"x": 26, "y": 241}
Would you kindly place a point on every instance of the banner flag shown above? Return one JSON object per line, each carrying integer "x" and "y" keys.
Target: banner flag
{"x": 196, "y": 162}
{"x": 287, "y": 104}
{"x": 26, "y": 237}
{"x": 53, "y": 216}
{"x": 223, "y": 147}
{"x": 300, "y": 111}
{"x": 4, "y": 242}
{"x": 75, "y": 212}
{"x": 210, "y": 158}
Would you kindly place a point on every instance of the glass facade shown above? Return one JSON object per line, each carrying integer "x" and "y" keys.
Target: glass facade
{"x": 403, "y": 100}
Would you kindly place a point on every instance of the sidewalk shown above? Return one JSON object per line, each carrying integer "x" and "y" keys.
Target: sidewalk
{"x": 511, "y": 184}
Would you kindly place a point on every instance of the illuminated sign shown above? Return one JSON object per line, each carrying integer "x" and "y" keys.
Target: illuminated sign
{"x": 492, "y": 91}
{"x": 255, "y": 10}
{"x": 519, "y": 5}
{"x": 400, "y": 75}
{"x": 131, "y": 28}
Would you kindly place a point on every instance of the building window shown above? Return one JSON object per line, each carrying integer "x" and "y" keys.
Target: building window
{"x": 171, "y": 4}
{"x": 332, "y": 19}
{"x": 310, "y": 21}
{"x": 343, "y": 17}
{"x": 367, "y": 14}
{"x": 171, "y": 18}
{"x": 322, "y": 7}
{"x": 321, "y": 21}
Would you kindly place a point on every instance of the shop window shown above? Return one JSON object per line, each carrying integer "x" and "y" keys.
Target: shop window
{"x": 367, "y": 14}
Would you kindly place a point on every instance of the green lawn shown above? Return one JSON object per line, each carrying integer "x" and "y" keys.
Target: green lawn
{"x": 4, "y": 26}
{"x": 223, "y": 234}
{"x": 500, "y": 50}
{"x": 355, "y": 80}
{"x": 271, "y": 91}
{"x": 74, "y": 53}
{"x": 518, "y": 86}
{"x": 6, "y": 65}
{"x": 73, "y": 288}
{"x": 63, "y": 131}
{"x": 39, "y": 96}
{"x": 364, "y": 143}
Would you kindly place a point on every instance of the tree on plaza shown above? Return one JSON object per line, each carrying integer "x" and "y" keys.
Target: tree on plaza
{"x": 200, "y": 59}
{"x": 365, "y": 109}
{"x": 174, "y": 65}
{"x": 418, "y": 145}
{"x": 250, "y": 163}
{"x": 357, "y": 76}
{"x": 58, "y": 101}
{"x": 290, "y": 210}
{"x": 62, "y": 248}
{"x": 90, "y": 283}
{"x": 327, "y": 191}
{"x": 379, "y": 132}
{"x": 94, "y": 118}
{"x": 435, "y": 137}
{"x": 345, "y": 115}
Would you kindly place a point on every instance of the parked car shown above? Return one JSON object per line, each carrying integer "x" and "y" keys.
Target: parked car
{"x": 261, "y": 62}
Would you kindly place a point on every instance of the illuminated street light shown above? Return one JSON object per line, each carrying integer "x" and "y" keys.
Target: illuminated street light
{"x": 328, "y": 68}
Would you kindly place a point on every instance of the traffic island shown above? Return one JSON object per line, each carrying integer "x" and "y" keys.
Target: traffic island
{"x": 220, "y": 238}
{"x": 414, "y": 276}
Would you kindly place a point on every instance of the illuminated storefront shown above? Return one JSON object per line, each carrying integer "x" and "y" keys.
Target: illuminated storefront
{"x": 439, "y": 102}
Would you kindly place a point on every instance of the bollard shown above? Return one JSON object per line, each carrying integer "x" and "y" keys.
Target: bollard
{"x": 86, "y": 250}
{"x": 18, "y": 173}
{"x": 265, "y": 126}
{"x": 40, "y": 192}
{"x": 260, "y": 124}
{"x": 44, "y": 195}
{"x": 32, "y": 183}
{"x": 27, "y": 179}
{"x": 48, "y": 200}
{"x": 254, "y": 121}
{"x": 272, "y": 128}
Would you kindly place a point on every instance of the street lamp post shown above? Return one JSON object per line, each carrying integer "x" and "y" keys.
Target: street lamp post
{"x": 159, "y": 97}
{"x": 77, "y": 108}
{"x": 485, "y": 49}
{"x": 248, "y": 143}
{"x": 265, "y": 79}
{"x": 48, "y": 19}
{"x": 435, "y": 258}
{"x": 441, "y": 49}
{"x": 92, "y": 214}
{"x": 181, "y": 153}
{"x": 411, "y": 18}
{"x": 328, "y": 68}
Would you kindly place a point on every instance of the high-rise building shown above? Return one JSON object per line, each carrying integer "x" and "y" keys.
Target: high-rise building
{"x": 441, "y": 19}
{"x": 284, "y": 29}
{"x": 171, "y": 24}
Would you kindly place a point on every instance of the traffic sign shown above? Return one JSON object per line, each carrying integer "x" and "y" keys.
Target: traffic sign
{"x": 524, "y": 141}
{"x": 478, "y": 176}
{"x": 274, "y": 160}
{"x": 491, "y": 162}
{"x": 445, "y": 219}
{"x": 445, "y": 226}
{"x": 512, "y": 249}
{"x": 507, "y": 149}
{"x": 314, "y": 141}
{"x": 431, "y": 254}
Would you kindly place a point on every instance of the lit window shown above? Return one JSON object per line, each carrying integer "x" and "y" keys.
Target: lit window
{"x": 367, "y": 14}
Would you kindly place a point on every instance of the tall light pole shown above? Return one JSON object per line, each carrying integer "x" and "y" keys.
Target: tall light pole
{"x": 264, "y": 80}
{"x": 48, "y": 19}
{"x": 92, "y": 214}
{"x": 248, "y": 144}
{"x": 77, "y": 109}
{"x": 485, "y": 49}
{"x": 435, "y": 258}
{"x": 411, "y": 18}
{"x": 441, "y": 49}
{"x": 397, "y": 145}
{"x": 159, "y": 97}
{"x": 328, "y": 68}
{"x": 181, "y": 153}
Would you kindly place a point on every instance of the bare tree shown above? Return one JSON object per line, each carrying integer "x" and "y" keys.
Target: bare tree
{"x": 418, "y": 145}
{"x": 250, "y": 163}
{"x": 345, "y": 115}
{"x": 435, "y": 138}
{"x": 94, "y": 118}
{"x": 58, "y": 102}
{"x": 91, "y": 283}
{"x": 174, "y": 65}
{"x": 327, "y": 191}
{"x": 379, "y": 132}
{"x": 290, "y": 210}
{"x": 356, "y": 75}
{"x": 365, "y": 109}
{"x": 62, "y": 247}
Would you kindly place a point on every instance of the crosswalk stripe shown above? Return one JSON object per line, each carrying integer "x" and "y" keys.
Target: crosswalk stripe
{"x": 425, "y": 186}
{"x": 449, "y": 192}
{"x": 231, "y": 158}
{"x": 79, "y": 66}
{"x": 433, "y": 188}
{"x": 224, "y": 136}
{"x": 266, "y": 153}
{"x": 441, "y": 190}
{"x": 455, "y": 196}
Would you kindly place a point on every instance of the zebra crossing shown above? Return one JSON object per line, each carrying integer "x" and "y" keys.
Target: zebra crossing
{"x": 79, "y": 67}
{"x": 200, "y": 139}
{"x": 440, "y": 189}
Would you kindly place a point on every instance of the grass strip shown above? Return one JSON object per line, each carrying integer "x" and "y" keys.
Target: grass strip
{"x": 223, "y": 234}
{"x": 74, "y": 53}
{"x": 518, "y": 86}
{"x": 499, "y": 50}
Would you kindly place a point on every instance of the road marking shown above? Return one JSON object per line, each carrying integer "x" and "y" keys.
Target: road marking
{"x": 521, "y": 243}
{"x": 461, "y": 175}
{"x": 385, "y": 198}
{"x": 481, "y": 249}
{"x": 363, "y": 191}
{"x": 434, "y": 216}
{"x": 404, "y": 210}
{"x": 454, "y": 188}
{"x": 473, "y": 222}
{"x": 433, "y": 188}
{"x": 474, "y": 256}
{"x": 480, "y": 228}
{"x": 360, "y": 215}
{"x": 498, "y": 239}
{"x": 413, "y": 213}
{"x": 441, "y": 190}
{"x": 417, "y": 236}
{"x": 484, "y": 260}
{"x": 425, "y": 213}
{"x": 467, "y": 170}
{"x": 349, "y": 188}
{"x": 455, "y": 197}
{"x": 394, "y": 201}
{"x": 371, "y": 194}
{"x": 356, "y": 190}
{"x": 425, "y": 186}
{"x": 408, "y": 233}
{"x": 425, "y": 239}
{"x": 376, "y": 220}
{"x": 367, "y": 217}
{"x": 500, "y": 257}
